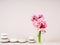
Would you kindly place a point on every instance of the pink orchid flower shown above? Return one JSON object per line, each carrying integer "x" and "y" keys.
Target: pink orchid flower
{"x": 42, "y": 25}
{"x": 40, "y": 17}
{"x": 38, "y": 21}
{"x": 34, "y": 18}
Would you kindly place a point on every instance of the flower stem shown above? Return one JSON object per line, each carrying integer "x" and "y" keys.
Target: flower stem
{"x": 39, "y": 36}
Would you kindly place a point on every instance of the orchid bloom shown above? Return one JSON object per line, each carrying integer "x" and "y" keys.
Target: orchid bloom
{"x": 42, "y": 25}
{"x": 40, "y": 17}
{"x": 38, "y": 21}
{"x": 34, "y": 18}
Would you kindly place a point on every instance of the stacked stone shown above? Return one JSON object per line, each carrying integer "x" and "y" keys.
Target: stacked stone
{"x": 31, "y": 40}
{"x": 4, "y": 38}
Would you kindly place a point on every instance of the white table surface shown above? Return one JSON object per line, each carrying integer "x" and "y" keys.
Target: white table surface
{"x": 46, "y": 43}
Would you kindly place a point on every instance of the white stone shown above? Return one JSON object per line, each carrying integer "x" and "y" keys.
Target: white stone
{"x": 4, "y": 37}
{"x": 4, "y": 40}
{"x": 33, "y": 41}
{"x": 4, "y": 34}
{"x": 31, "y": 38}
{"x": 22, "y": 40}
{"x": 13, "y": 40}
